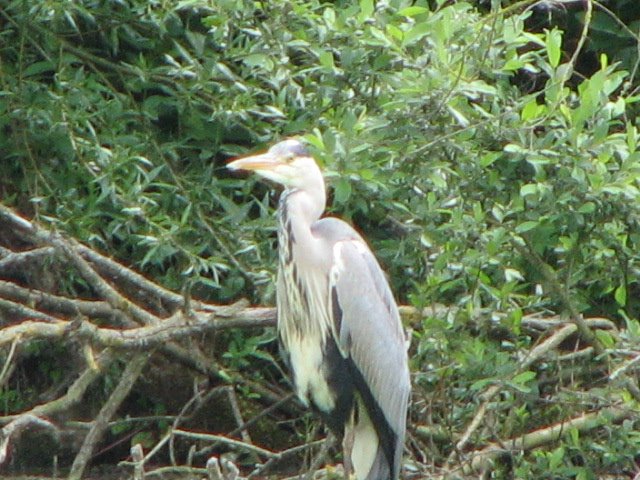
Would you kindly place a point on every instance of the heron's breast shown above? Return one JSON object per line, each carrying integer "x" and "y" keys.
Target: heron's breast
{"x": 310, "y": 377}
{"x": 304, "y": 335}
{"x": 304, "y": 324}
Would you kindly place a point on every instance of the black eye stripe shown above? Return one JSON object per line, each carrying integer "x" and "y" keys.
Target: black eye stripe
{"x": 299, "y": 150}
{"x": 291, "y": 148}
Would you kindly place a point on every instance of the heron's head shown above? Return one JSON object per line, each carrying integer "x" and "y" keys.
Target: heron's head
{"x": 287, "y": 163}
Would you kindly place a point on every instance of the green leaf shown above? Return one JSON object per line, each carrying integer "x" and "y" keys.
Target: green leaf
{"x": 417, "y": 33}
{"x": 342, "y": 190}
{"x": 412, "y": 11}
{"x": 146, "y": 439}
{"x": 530, "y": 110}
{"x": 326, "y": 59}
{"x": 529, "y": 189}
{"x": 633, "y": 325}
{"x": 366, "y": 10}
{"x": 38, "y": 68}
{"x": 587, "y": 207}
{"x": 482, "y": 383}
{"x": 554, "y": 46}
{"x": 524, "y": 377}
{"x": 621, "y": 295}
{"x": 555, "y": 458}
{"x": 511, "y": 274}
{"x": 488, "y": 158}
{"x": 260, "y": 60}
{"x": 605, "y": 338}
{"x": 526, "y": 226}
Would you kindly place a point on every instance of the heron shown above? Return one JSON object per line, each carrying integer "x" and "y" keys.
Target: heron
{"x": 338, "y": 324}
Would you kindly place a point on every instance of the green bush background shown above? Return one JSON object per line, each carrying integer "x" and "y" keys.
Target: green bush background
{"x": 488, "y": 152}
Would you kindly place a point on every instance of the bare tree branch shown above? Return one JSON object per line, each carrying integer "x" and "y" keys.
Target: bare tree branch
{"x": 177, "y": 327}
{"x": 58, "y": 304}
{"x": 100, "y": 423}
{"x": 22, "y": 311}
{"x": 11, "y": 260}
{"x": 13, "y": 428}
{"x": 228, "y": 441}
{"x": 101, "y": 286}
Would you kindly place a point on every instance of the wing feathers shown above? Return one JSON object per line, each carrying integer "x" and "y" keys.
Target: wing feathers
{"x": 370, "y": 332}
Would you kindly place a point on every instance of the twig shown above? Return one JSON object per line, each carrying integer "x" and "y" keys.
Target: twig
{"x": 251, "y": 421}
{"x": 157, "y": 447}
{"x": 8, "y": 362}
{"x": 228, "y": 441}
{"x": 18, "y": 310}
{"x": 550, "y": 322}
{"x": 237, "y": 415}
{"x": 137, "y": 458}
{"x": 549, "y": 344}
{"x": 229, "y": 469}
{"x": 142, "y": 337}
{"x": 585, "y": 352}
{"x": 129, "y": 377}
{"x": 177, "y": 470}
{"x": 201, "y": 400}
{"x": 632, "y": 388}
{"x": 624, "y": 368}
{"x": 263, "y": 413}
{"x": 84, "y": 425}
{"x": 213, "y": 469}
{"x": 322, "y": 455}
{"x": 111, "y": 268}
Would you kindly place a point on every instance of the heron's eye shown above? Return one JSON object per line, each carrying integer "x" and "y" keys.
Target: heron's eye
{"x": 289, "y": 157}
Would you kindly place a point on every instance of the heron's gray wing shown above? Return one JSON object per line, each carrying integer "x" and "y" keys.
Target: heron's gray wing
{"x": 370, "y": 333}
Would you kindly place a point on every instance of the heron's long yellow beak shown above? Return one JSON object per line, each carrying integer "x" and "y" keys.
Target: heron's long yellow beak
{"x": 263, "y": 161}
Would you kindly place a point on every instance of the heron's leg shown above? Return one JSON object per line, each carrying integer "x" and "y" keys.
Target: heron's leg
{"x": 347, "y": 447}
{"x": 329, "y": 442}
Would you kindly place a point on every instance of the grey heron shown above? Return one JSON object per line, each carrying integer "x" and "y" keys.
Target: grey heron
{"x": 338, "y": 322}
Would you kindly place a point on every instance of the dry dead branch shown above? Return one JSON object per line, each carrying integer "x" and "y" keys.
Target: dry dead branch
{"x": 113, "y": 319}
{"x": 14, "y": 428}
{"x": 100, "y": 423}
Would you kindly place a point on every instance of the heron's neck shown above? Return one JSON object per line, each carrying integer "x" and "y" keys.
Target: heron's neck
{"x": 297, "y": 212}
{"x": 304, "y": 206}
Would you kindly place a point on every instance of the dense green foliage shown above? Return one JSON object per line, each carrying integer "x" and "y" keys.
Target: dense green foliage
{"x": 488, "y": 175}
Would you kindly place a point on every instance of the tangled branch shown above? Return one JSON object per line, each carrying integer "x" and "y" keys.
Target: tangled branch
{"x": 119, "y": 318}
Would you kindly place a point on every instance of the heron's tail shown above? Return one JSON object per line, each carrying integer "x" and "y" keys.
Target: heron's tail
{"x": 368, "y": 456}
